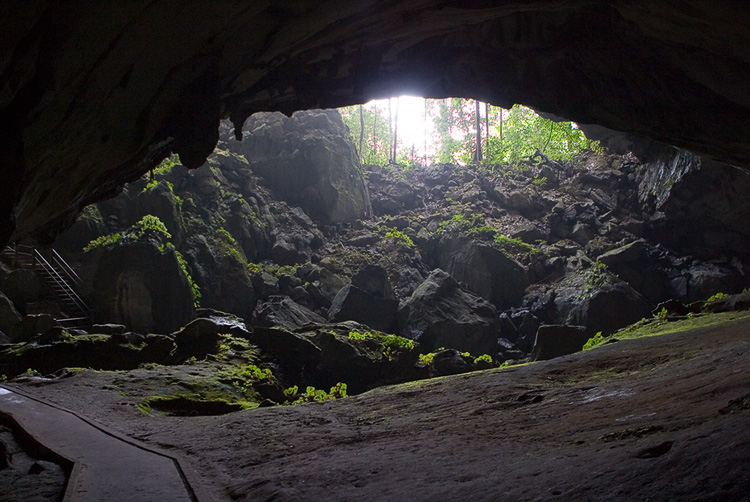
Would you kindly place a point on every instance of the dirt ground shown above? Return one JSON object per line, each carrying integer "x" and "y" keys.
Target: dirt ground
{"x": 661, "y": 418}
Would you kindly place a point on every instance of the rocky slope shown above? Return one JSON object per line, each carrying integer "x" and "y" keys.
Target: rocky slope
{"x": 324, "y": 260}
{"x": 664, "y": 417}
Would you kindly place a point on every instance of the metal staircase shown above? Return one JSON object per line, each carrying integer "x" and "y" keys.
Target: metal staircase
{"x": 61, "y": 279}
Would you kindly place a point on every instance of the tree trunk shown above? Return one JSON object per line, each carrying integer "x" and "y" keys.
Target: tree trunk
{"x": 395, "y": 133}
{"x": 487, "y": 123}
{"x": 361, "y": 130}
{"x": 501, "y": 126}
{"x": 478, "y": 154}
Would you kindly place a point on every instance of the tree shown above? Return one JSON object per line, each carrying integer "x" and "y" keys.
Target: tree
{"x": 478, "y": 154}
{"x": 524, "y": 132}
{"x": 372, "y": 127}
{"x": 361, "y": 129}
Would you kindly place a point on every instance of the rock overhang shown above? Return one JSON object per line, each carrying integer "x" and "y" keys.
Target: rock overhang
{"x": 96, "y": 93}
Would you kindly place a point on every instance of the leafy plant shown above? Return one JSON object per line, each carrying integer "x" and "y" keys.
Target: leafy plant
{"x": 150, "y": 223}
{"x": 101, "y": 241}
{"x": 426, "y": 359}
{"x": 662, "y": 314}
{"x": 396, "y": 235}
{"x": 716, "y": 297}
{"x": 513, "y": 245}
{"x": 595, "y": 340}
{"x": 312, "y": 394}
{"x": 391, "y": 344}
{"x": 483, "y": 357}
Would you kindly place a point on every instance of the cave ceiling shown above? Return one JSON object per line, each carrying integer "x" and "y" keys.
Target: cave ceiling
{"x": 93, "y": 94}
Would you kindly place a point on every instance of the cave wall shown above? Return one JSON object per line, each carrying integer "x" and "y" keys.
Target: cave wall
{"x": 93, "y": 94}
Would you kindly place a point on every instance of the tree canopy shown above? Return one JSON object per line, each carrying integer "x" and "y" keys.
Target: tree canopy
{"x": 450, "y": 133}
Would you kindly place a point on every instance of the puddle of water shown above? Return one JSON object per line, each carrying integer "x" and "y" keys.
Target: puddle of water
{"x": 4, "y": 391}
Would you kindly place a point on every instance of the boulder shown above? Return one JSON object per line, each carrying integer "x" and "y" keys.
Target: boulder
{"x": 373, "y": 279}
{"x": 528, "y": 324}
{"x": 355, "y": 304}
{"x": 281, "y": 311}
{"x": 451, "y": 362}
{"x": 140, "y": 284}
{"x": 160, "y": 201}
{"x": 484, "y": 270}
{"x": 32, "y": 326}
{"x": 108, "y": 329}
{"x": 295, "y": 353}
{"x": 9, "y": 316}
{"x": 200, "y": 336}
{"x": 22, "y": 286}
{"x": 554, "y": 340}
{"x": 628, "y": 253}
{"x": 706, "y": 279}
{"x": 308, "y": 161}
{"x": 603, "y": 303}
{"x": 729, "y": 304}
{"x": 362, "y": 362}
{"x": 441, "y": 314}
{"x": 632, "y": 264}
{"x": 101, "y": 352}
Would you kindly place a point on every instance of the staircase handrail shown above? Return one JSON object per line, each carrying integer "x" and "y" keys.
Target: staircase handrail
{"x": 60, "y": 281}
{"x": 59, "y": 261}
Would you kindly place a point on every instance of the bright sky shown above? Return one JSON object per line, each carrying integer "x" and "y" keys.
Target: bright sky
{"x": 412, "y": 129}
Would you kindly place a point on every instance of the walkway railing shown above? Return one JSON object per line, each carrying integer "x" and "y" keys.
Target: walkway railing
{"x": 62, "y": 280}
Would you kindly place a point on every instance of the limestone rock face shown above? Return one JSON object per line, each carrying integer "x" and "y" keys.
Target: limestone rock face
{"x": 283, "y": 312}
{"x": 484, "y": 270}
{"x": 702, "y": 206}
{"x": 99, "y": 92}
{"x": 441, "y": 314}
{"x": 601, "y": 304}
{"x": 307, "y": 161}
{"x": 369, "y": 299}
{"x": 558, "y": 340}
{"x": 9, "y": 316}
{"x": 140, "y": 286}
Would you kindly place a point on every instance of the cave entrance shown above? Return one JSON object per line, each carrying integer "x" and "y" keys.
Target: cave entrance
{"x": 408, "y": 130}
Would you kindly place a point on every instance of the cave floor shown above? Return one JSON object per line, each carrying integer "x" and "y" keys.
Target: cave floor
{"x": 660, "y": 418}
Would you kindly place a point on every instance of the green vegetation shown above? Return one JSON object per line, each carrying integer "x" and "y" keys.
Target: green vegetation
{"x": 595, "y": 340}
{"x": 716, "y": 297}
{"x": 525, "y": 133}
{"x": 473, "y": 223}
{"x": 396, "y": 235}
{"x": 513, "y": 245}
{"x": 312, "y": 394}
{"x": 507, "y": 136}
{"x": 390, "y": 344}
{"x": 596, "y": 278}
{"x": 483, "y": 357}
{"x": 149, "y": 224}
{"x": 185, "y": 403}
{"x": 101, "y": 241}
{"x": 193, "y": 286}
{"x": 655, "y": 327}
{"x": 226, "y": 245}
{"x": 166, "y": 165}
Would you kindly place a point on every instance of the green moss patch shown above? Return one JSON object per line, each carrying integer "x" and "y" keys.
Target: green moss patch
{"x": 189, "y": 404}
{"x": 657, "y": 326}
